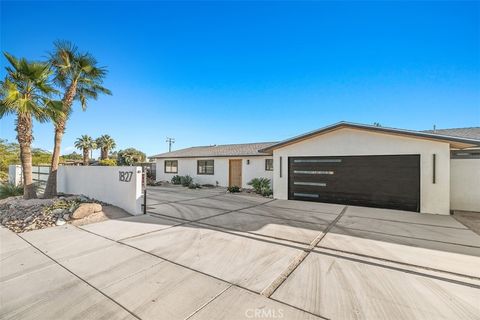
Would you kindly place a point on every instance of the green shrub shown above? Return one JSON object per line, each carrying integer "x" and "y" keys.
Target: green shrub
{"x": 10, "y": 190}
{"x": 194, "y": 186}
{"x": 176, "y": 179}
{"x": 186, "y": 180}
{"x": 208, "y": 185}
{"x": 233, "y": 189}
{"x": 107, "y": 162}
{"x": 266, "y": 191}
{"x": 258, "y": 184}
{"x": 261, "y": 186}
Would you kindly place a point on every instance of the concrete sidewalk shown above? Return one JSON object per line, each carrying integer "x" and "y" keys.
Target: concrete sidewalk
{"x": 207, "y": 255}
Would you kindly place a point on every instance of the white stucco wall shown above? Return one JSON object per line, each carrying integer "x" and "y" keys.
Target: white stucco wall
{"x": 255, "y": 169}
{"x": 103, "y": 183}
{"x": 465, "y": 184}
{"x": 434, "y": 198}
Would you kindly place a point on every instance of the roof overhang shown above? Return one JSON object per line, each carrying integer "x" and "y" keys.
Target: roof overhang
{"x": 211, "y": 156}
{"x": 455, "y": 142}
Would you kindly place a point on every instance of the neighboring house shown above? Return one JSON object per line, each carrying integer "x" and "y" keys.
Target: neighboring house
{"x": 222, "y": 165}
{"x": 351, "y": 164}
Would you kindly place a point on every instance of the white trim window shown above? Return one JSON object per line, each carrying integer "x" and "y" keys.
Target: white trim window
{"x": 171, "y": 166}
{"x": 205, "y": 167}
{"x": 268, "y": 164}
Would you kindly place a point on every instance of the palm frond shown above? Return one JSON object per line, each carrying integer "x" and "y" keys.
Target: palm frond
{"x": 13, "y": 61}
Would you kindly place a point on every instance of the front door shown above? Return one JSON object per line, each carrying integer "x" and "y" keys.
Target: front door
{"x": 235, "y": 173}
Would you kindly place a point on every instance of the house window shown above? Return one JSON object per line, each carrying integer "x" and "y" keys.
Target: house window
{"x": 171, "y": 166}
{"x": 268, "y": 164}
{"x": 204, "y": 166}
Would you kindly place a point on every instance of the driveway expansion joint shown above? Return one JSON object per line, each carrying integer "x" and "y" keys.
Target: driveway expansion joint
{"x": 208, "y": 302}
{"x": 269, "y": 290}
{"x": 80, "y": 278}
{"x": 201, "y": 272}
{"x": 392, "y": 267}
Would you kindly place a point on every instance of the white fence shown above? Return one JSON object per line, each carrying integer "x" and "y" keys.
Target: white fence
{"x": 120, "y": 186}
{"x": 39, "y": 175}
{"x": 465, "y": 184}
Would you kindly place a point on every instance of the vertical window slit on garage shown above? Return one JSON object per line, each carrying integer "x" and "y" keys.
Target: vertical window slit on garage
{"x": 434, "y": 168}
{"x": 280, "y": 167}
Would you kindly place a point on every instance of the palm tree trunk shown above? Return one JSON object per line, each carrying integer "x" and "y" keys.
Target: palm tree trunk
{"x": 51, "y": 188}
{"x": 103, "y": 155}
{"x": 85, "y": 157}
{"x": 67, "y": 101}
{"x": 24, "y": 136}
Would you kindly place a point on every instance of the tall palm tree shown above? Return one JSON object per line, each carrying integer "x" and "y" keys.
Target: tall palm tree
{"x": 85, "y": 143}
{"x": 105, "y": 143}
{"x": 26, "y": 92}
{"x": 80, "y": 78}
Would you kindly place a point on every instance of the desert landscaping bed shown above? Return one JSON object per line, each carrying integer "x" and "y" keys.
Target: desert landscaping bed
{"x": 21, "y": 215}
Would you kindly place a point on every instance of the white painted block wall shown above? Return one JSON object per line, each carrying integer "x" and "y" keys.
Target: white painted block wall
{"x": 465, "y": 184}
{"x": 104, "y": 184}
{"x": 15, "y": 174}
{"x": 255, "y": 169}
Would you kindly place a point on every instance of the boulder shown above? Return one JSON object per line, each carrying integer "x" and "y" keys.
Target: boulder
{"x": 86, "y": 209}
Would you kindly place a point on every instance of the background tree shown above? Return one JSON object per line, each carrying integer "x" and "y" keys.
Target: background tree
{"x": 9, "y": 154}
{"x": 105, "y": 143}
{"x": 80, "y": 78}
{"x": 130, "y": 156}
{"x": 25, "y": 92}
{"x": 85, "y": 143}
{"x": 72, "y": 156}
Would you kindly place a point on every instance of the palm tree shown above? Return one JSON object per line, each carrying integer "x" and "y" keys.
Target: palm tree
{"x": 85, "y": 143}
{"x": 105, "y": 143}
{"x": 25, "y": 92}
{"x": 80, "y": 77}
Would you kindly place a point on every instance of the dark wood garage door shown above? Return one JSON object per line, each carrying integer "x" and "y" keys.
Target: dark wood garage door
{"x": 391, "y": 181}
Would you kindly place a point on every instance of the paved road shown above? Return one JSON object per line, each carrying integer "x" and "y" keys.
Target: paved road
{"x": 202, "y": 254}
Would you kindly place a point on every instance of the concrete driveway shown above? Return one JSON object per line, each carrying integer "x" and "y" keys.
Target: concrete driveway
{"x": 203, "y": 254}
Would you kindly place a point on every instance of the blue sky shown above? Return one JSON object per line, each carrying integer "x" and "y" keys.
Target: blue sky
{"x": 233, "y": 72}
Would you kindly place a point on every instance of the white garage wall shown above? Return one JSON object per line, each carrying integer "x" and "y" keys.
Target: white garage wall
{"x": 434, "y": 198}
{"x": 104, "y": 184}
{"x": 465, "y": 184}
{"x": 255, "y": 169}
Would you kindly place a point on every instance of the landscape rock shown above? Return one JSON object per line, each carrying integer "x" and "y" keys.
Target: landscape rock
{"x": 66, "y": 217}
{"x": 60, "y": 222}
{"x": 86, "y": 209}
{"x": 58, "y": 211}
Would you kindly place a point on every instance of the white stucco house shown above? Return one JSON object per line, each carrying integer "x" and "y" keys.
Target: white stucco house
{"x": 348, "y": 163}
{"x": 222, "y": 165}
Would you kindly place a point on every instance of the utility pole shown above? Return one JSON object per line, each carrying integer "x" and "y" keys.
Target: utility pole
{"x": 170, "y": 141}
